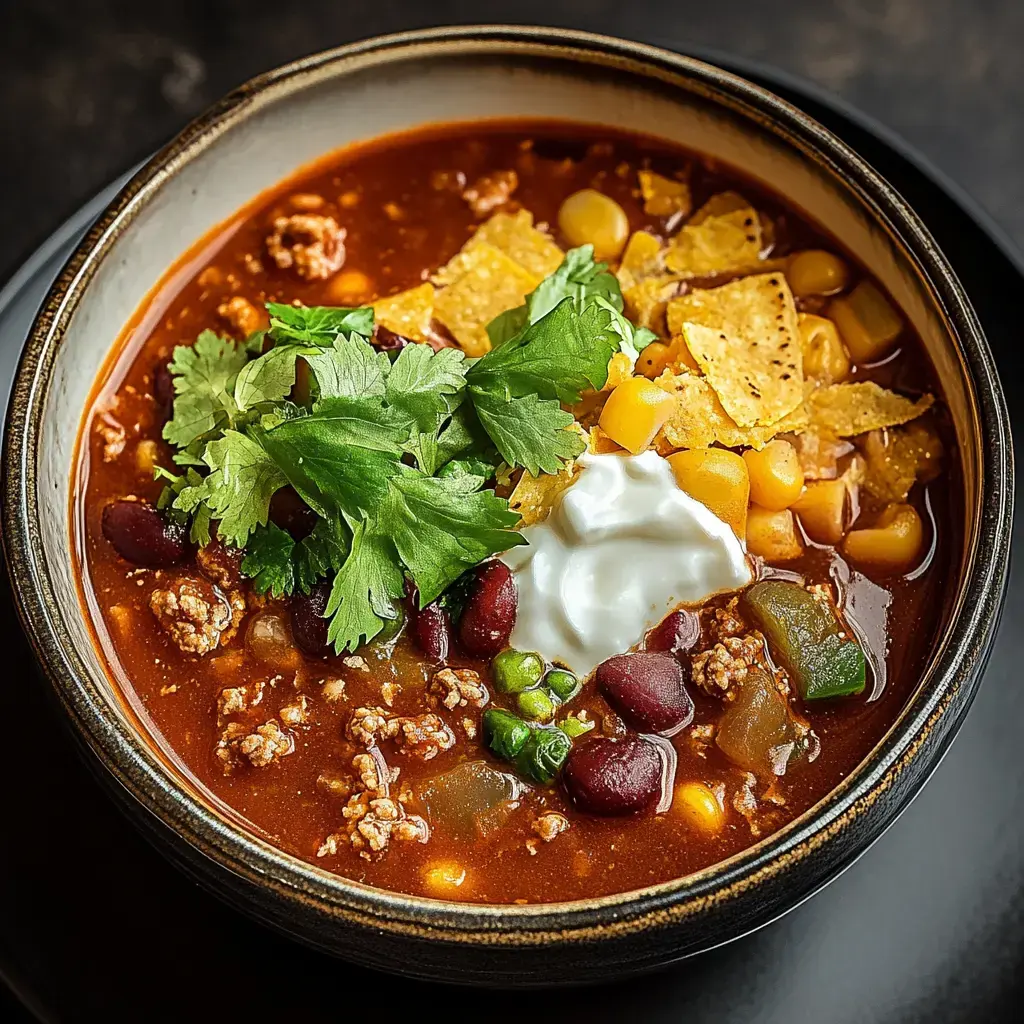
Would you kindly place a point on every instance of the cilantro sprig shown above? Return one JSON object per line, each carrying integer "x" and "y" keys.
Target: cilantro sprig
{"x": 393, "y": 456}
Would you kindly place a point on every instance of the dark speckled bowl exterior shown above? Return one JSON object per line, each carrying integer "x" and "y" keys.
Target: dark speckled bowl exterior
{"x": 557, "y": 943}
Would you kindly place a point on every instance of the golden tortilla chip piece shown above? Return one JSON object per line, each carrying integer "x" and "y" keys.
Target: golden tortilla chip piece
{"x": 534, "y": 496}
{"x": 408, "y": 313}
{"x": 716, "y": 245}
{"x": 599, "y": 443}
{"x": 515, "y": 236}
{"x": 663, "y": 196}
{"x": 896, "y": 459}
{"x": 620, "y": 368}
{"x": 719, "y": 205}
{"x": 699, "y": 419}
{"x": 845, "y": 410}
{"x": 745, "y": 338}
{"x": 491, "y": 283}
{"x": 642, "y": 259}
{"x": 647, "y": 302}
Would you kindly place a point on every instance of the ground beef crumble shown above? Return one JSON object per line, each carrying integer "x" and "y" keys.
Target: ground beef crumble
{"x": 422, "y": 736}
{"x": 717, "y": 670}
{"x": 551, "y": 824}
{"x": 243, "y": 317}
{"x": 490, "y": 191}
{"x": 263, "y": 746}
{"x": 458, "y": 687}
{"x": 311, "y": 244}
{"x": 196, "y": 615}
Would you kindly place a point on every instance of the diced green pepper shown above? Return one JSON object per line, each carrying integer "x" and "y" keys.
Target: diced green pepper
{"x": 573, "y": 727}
{"x": 504, "y": 734}
{"x": 536, "y": 705}
{"x": 545, "y": 752}
{"x": 808, "y": 638}
{"x": 516, "y": 671}
{"x": 562, "y": 683}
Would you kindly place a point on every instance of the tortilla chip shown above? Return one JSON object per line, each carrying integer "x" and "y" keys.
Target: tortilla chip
{"x": 845, "y": 410}
{"x": 663, "y": 196}
{"x": 716, "y": 245}
{"x": 620, "y": 368}
{"x": 719, "y": 205}
{"x": 642, "y": 259}
{"x": 534, "y": 496}
{"x": 819, "y": 454}
{"x": 515, "y": 236}
{"x": 896, "y": 459}
{"x": 744, "y": 337}
{"x": 599, "y": 443}
{"x": 491, "y": 282}
{"x": 408, "y": 313}
{"x": 647, "y": 302}
{"x": 699, "y": 420}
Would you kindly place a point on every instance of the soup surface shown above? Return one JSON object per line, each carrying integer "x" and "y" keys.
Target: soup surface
{"x": 302, "y": 536}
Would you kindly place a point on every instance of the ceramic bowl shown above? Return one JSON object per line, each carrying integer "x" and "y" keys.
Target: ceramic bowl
{"x": 261, "y": 133}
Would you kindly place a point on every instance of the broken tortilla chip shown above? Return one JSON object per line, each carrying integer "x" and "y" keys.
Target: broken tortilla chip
{"x": 664, "y": 197}
{"x": 720, "y": 204}
{"x": 819, "y": 454}
{"x": 699, "y": 419}
{"x": 744, "y": 337}
{"x": 408, "y": 313}
{"x": 845, "y": 410}
{"x": 491, "y": 283}
{"x": 647, "y": 302}
{"x": 896, "y": 459}
{"x": 534, "y": 496}
{"x": 717, "y": 245}
{"x": 515, "y": 236}
{"x": 642, "y": 259}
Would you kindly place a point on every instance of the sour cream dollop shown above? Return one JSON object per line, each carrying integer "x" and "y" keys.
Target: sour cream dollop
{"x": 622, "y": 547}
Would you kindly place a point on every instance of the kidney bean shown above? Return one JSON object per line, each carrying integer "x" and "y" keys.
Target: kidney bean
{"x": 648, "y": 689}
{"x": 676, "y": 633}
{"x": 309, "y": 627}
{"x": 432, "y": 629}
{"x": 386, "y": 340}
{"x": 163, "y": 392}
{"x": 489, "y": 614}
{"x": 613, "y": 777}
{"x": 291, "y": 513}
{"x": 140, "y": 534}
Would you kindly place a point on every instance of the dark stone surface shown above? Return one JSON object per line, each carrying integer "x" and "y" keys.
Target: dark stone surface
{"x": 90, "y": 86}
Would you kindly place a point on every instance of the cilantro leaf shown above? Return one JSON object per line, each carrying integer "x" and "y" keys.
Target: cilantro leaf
{"x": 364, "y": 591}
{"x": 349, "y": 368}
{"x": 426, "y": 385}
{"x": 563, "y": 354}
{"x": 318, "y": 325}
{"x": 204, "y": 378}
{"x": 528, "y": 431}
{"x": 579, "y": 277}
{"x": 476, "y": 466}
{"x": 242, "y": 480}
{"x": 268, "y": 560}
{"x": 268, "y": 378}
{"x": 440, "y": 529}
{"x": 322, "y": 552}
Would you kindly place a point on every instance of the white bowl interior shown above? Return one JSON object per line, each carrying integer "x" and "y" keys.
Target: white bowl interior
{"x": 303, "y": 116}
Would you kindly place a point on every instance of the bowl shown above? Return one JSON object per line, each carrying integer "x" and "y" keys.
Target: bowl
{"x": 259, "y": 134}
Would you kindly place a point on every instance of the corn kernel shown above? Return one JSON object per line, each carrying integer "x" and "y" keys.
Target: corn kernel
{"x": 816, "y": 272}
{"x": 146, "y": 453}
{"x": 867, "y": 322}
{"x": 442, "y": 877}
{"x": 822, "y": 509}
{"x": 776, "y": 477}
{"x": 893, "y": 544}
{"x": 349, "y": 287}
{"x": 589, "y": 216}
{"x": 699, "y": 806}
{"x": 717, "y": 478}
{"x": 772, "y": 535}
{"x": 654, "y": 359}
{"x": 635, "y": 411}
{"x": 825, "y": 357}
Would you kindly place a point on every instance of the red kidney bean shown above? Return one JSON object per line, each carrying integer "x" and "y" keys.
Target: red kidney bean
{"x": 309, "y": 627}
{"x": 613, "y": 777}
{"x": 432, "y": 629}
{"x": 676, "y": 633}
{"x": 386, "y": 340}
{"x": 163, "y": 392}
{"x": 648, "y": 689}
{"x": 140, "y": 534}
{"x": 291, "y": 513}
{"x": 489, "y": 614}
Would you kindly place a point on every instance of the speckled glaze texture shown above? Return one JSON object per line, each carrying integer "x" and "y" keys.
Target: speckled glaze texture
{"x": 626, "y": 84}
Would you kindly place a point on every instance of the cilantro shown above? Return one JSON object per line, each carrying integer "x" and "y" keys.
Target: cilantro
{"x": 318, "y": 325}
{"x": 268, "y": 560}
{"x": 349, "y": 368}
{"x": 324, "y": 551}
{"x": 476, "y": 466}
{"x": 426, "y": 385}
{"x": 269, "y": 378}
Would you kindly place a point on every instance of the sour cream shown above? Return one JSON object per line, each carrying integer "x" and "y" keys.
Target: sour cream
{"x": 622, "y": 548}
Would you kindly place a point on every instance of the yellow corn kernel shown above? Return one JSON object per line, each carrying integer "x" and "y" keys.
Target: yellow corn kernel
{"x": 776, "y": 477}
{"x": 867, "y": 322}
{"x": 717, "y": 478}
{"x": 146, "y": 453}
{"x": 635, "y": 411}
{"x": 772, "y": 535}
{"x": 620, "y": 369}
{"x": 442, "y": 877}
{"x": 825, "y": 357}
{"x": 654, "y": 359}
{"x": 893, "y": 544}
{"x": 816, "y": 272}
{"x": 589, "y": 216}
{"x": 822, "y": 509}
{"x": 699, "y": 806}
{"x": 350, "y": 286}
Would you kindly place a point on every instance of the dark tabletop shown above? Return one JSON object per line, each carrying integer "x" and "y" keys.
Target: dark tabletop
{"x": 87, "y": 87}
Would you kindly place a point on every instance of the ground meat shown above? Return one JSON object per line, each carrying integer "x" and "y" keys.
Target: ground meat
{"x": 551, "y": 824}
{"x": 194, "y": 612}
{"x": 367, "y": 725}
{"x": 233, "y": 700}
{"x": 335, "y": 785}
{"x": 490, "y": 191}
{"x": 241, "y": 314}
{"x": 221, "y": 565}
{"x": 744, "y": 800}
{"x": 333, "y": 690}
{"x": 716, "y": 671}
{"x": 458, "y": 687}
{"x": 422, "y": 736}
{"x": 296, "y": 713}
{"x": 312, "y": 244}
{"x": 701, "y": 738}
{"x": 389, "y": 690}
{"x": 726, "y": 621}
{"x": 113, "y": 434}
{"x": 263, "y": 746}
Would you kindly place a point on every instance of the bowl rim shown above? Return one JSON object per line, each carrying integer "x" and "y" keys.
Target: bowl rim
{"x": 927, "y": 722}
